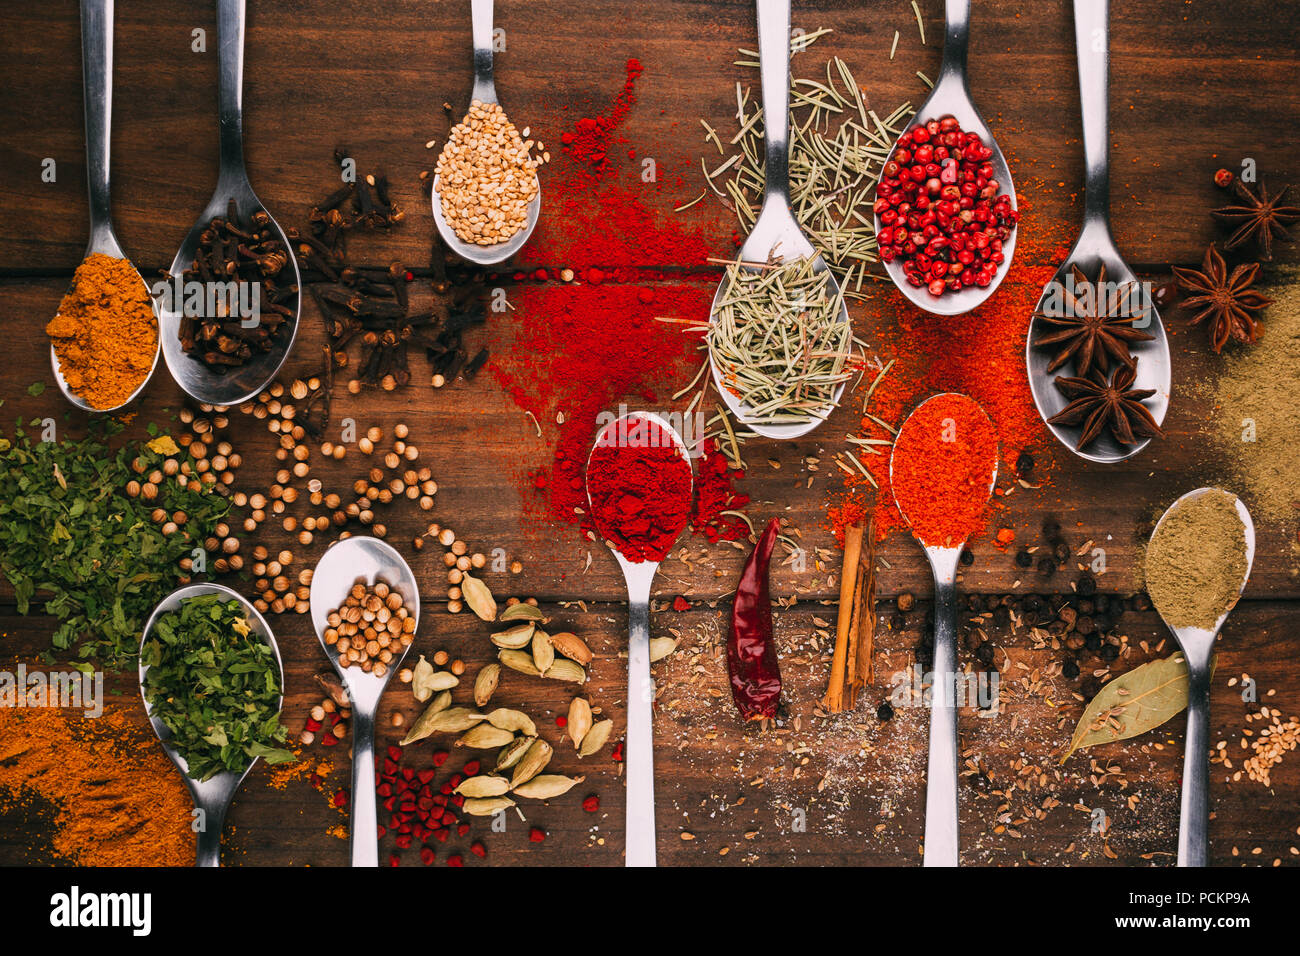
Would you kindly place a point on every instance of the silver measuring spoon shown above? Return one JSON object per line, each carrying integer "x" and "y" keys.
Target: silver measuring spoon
{"x": 97, "y": 89}
{"x": 1198, "y": 647}
{"x": 485, "y": 91}
{"x": 1095, "y": 248}
{"x": 237, "y": 383}
{"x": 776, "y": 232}
{"x": 951, "y": 97}
{"x": 639, "y": 753}
{"x": 941, "y": 841}
{"x": 346, "y": 563}
{"x": 212, "y": 796}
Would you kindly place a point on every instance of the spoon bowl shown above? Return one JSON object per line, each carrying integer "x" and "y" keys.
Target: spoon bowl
{"x": 941, "y": 832}
{"x": 236, "y": 384}
{"x": 639, "y": 752}
{"x": 211, "y": 796}
{"x": 951, "y": 96}
{"x": 348, "y": 562}
{"x": 1094, "y": 248}
{"x": 776, "y": 233}
{"x": 97, "y": 90}
{"x": 1197, "y": 644}
{"x": 484, "y": 91}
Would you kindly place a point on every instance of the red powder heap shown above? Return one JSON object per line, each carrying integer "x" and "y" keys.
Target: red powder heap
{"x": 943, "y": 464}
{"x": 591, "y": 137}
{"x": 640, "y": 488}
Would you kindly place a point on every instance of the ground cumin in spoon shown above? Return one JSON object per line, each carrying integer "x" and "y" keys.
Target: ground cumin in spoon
{"x": 1196, "y": 560}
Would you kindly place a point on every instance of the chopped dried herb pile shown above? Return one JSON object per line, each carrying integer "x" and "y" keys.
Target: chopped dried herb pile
{"x": 215, "y": 683}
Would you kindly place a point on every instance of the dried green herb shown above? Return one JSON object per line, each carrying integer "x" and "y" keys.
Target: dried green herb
{"x": 216, "y": 685}
{"x": 1133, "y": 703}
{"x": 74, "y": 542}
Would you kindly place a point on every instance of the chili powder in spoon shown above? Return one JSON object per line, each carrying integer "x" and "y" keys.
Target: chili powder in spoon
{"x": 639, "y": 483}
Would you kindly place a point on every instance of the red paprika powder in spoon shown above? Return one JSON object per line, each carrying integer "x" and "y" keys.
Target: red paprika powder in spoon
{"x": 639, "y": 484}
{"x": 945, "y": 457}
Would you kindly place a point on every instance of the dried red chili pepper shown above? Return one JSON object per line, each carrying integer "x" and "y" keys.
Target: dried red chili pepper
{"x": 751, "y": 652}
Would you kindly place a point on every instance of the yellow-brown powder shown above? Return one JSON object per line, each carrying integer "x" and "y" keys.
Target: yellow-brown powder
{"x": 105, "y": 333}
{"x": 118, "y": 800}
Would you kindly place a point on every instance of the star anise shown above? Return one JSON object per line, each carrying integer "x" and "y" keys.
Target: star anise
{"x": 1098, "y": 403}
{"x": 1259, "y": 218}
{"x": 1094, "y": 323}
{"x": 1227, "y": 301}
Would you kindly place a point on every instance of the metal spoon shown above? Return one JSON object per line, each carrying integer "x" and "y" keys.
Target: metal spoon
{"x": 639, "y": 754}
{"x": 485, "y": 91}
{"x": 951, "y": 97}
{"x": 1094, "y": 248}
{"x": 941, "y": 776}
{"x": 237, "y": 383}
{"x": 97, "y": 87}
{"x": 212, "y": 796}
{"x": 347, "y": 562}
{"x": 776, "y": 231}
{"x": 1198, "y": 645}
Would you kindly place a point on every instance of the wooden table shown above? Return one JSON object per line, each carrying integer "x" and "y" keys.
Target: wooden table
{"x": 1195, "y": 85}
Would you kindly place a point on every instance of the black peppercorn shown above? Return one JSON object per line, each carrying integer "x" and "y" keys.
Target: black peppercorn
{"x": 1046, "y": 567}
{"x": 1109, "y": 652}
{"x": 1086, "y": 607}
{"x": 1102, "y": 603}
{"x": 1103, "y": 622}
{"x": 885, "y": 711}
{"x": 1090, "y": 687}
{"x": 897, "y": 622}
{"x": 1070, "y": 669}
{"x": 1061, "y": 551}
{"x": 967, "y": 557}
{"x": 984, "y": 653}
{"x": 1087, "y": 584}
{"x": 1084, "y": 625}
{"x": 1024, "y": 464}
{"x": 1051, "y": 528}
{"x": 1001, "y": 616}
{"x": 1024, "y": 559}
{"x": 1092, "y": 642}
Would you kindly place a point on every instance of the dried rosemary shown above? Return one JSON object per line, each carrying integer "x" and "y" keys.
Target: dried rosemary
{"x": 779, "y": 341}
{"x": 837, "y": 148}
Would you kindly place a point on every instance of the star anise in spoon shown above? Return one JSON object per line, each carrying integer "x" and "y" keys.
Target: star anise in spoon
{"x": 1093, "y": 322}
{"x": 1099, "y": 402}
{"x": 1259, "y": 217}
{"x": 1227, "y": 301}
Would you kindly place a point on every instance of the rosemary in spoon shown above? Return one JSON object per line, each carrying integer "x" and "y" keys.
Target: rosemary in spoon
{"x": 779, "y": 341}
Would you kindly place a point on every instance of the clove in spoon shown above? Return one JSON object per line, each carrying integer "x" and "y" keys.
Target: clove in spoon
{"x": 639, "y": 575}
{"x": 350, "y": 561}
{"x": 941, "y": 842}
{"x": 951, "y": 96}
{"x": 239, "y": 383}
{"x": 1094, "y": 249}
{"x": 211, "y": 797}
{"x": 776, "y": 232}
{"x": 485, "y": 91}
{"x": 97, "y": 87}
{"x": 1198, "y": 647}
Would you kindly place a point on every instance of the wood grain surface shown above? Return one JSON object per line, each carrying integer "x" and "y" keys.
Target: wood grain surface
{"x": 1194, "y": 86}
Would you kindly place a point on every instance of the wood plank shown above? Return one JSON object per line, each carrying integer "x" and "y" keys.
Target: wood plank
{"x": 375, "y": 75}
{"x": 852, "y": 783}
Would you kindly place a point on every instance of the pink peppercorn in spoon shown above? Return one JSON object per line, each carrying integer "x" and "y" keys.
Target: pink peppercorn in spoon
{"x": 948, "y": 190}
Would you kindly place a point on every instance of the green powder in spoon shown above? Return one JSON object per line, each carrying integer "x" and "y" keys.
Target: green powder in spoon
{"x": 1196, "y": 561}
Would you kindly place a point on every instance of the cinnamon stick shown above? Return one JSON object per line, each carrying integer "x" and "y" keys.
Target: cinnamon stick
{"x": 834, "y": 700}
{"x": 864, "y": 671}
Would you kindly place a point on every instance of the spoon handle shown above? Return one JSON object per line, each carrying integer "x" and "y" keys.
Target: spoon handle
{"x": 1194, "y": 823}
{"x": 774, "y": 71}
{"x": 230, "y": 65}
{"x": 97, "y": 89}
{"x": 1092, "y": 47}
{"x": 208, "y": 842}
{"x": 363, "y": 827}
{"x": 639, "y": 752}
{"x": 481, "y": 19}
{"x": 956, "y": 41}
{"x": 941, "y": 776}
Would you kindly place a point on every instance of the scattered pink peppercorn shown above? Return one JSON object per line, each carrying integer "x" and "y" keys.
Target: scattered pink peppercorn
{"x": 455, "y": 860}
{"x": 427, "y": 855}
{"x": 561, "y": 721}
{"x": 591, "y": 804}
{"x": 471, "y": 768}
{"x": 1223, "y": 178}
{"x": 681, "y": 604}
{"x": 478, "y": 849}
{"x": 536, "y": 835}
{"x": 340, "y": 798}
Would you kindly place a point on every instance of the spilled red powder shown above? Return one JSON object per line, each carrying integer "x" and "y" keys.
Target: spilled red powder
{"x": 981, "y": 354}
{"x": 591, "y": 137}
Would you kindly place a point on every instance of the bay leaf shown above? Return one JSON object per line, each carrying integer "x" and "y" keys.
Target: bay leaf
{"x": 1133, "y": 703}
{"x": 479, "y": 598}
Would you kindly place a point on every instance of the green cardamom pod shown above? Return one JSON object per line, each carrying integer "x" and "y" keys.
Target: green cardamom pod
{"x": 532, "y": 763}
{"x": 485, "y": 684}
{"x": 519, "y": 661}
{"x": 516, "y": 721}
{"x": 484, "y": 786}
{"x": 485, "y": 737}
{"x": 543, "y": 652}
{"x": 565, "y": 669}
{"x": 479, "y": 598}
{"x": 511, "y": 753}
{"x": 596, "y": 738}
{"x": 522, "y": 611}
{"x": 486, "y": 806}
{"x": 547, "y": 785}
{"x": 516, "y": 638}
{"x": 438, "y": 718}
